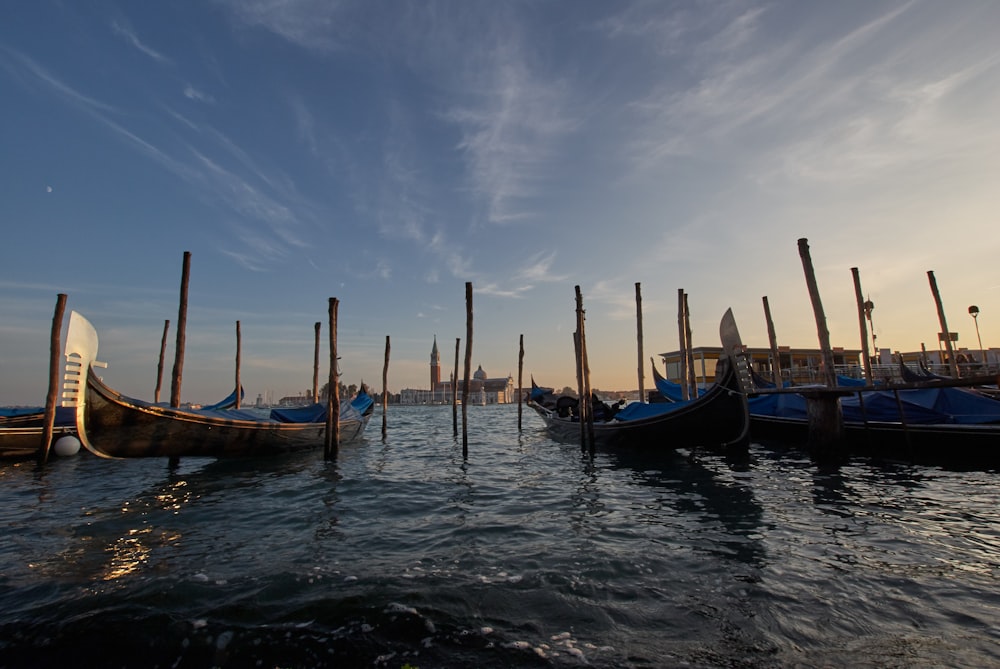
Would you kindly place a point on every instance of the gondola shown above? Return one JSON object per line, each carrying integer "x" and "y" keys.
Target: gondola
{"x": 112, "y": 425}
{"x": 717, "y": 420}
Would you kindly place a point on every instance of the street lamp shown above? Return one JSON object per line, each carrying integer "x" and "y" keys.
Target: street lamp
{"x": 974, "y": 312}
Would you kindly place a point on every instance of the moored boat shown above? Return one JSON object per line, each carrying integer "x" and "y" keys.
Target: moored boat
{"x": 21, "y": 433}
{"x": 717, "y": 419}
{"x": 113, "y": 425}
{"x": 947, "y": 426}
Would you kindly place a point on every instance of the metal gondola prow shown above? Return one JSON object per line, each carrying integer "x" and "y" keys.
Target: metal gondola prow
{"x": 81, "y": 356}
{"x": 736, "y": 353}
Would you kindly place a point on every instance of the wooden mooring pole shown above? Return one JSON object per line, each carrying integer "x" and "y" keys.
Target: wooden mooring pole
{"x": 520, "y": 376}
{"x": 178, "y": 373}
{"x": 468, "y": 369}
{"x": 772, "y": 339}
{"x": 332, "y": 442}
{"x": 638, "y": 336}
{"x": 316, "y": 331}
{"x": 385, "y": 387}
{"x": 945, "y": 334}
{"x": 692, "y": 376}
{"x": 580, "y": 405}
{"x": 454, "y": 389}
{"x": 239, "y": 351}
{"x": 826, "y": 419}
{"x": 51, "y": 397}
{"x": 682, "y": 340}
{"x": 866, "y": 357}
{"x": 586, "y": 409}
{"x": 159, "y": 365}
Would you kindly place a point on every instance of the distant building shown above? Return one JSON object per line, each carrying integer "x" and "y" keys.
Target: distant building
{"x": 799, "y": 365}
{"x": 482, "y": 389}
{"x": 804, "y": 365}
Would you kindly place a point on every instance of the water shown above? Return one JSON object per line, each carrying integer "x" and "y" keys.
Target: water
{"x": 527, "y": 554}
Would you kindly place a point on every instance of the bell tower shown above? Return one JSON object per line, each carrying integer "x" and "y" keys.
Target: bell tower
{"x": 435, "y": 366}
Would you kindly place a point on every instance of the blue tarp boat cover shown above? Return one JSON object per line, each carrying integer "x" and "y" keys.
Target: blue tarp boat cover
{"x": 64, "y": 415}
{"x": 920, "y": 406}
{"x": 638, "y": 410}
{"x": 226, "y": 403}
{"x": 9, "y": 412}
{"x": 316, "y": 413}
{"x": 672, "y": 391}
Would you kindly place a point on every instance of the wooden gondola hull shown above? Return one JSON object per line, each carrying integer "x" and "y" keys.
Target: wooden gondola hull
{"x": 23, "y": 443}
{"x": 113, "y": 426}
{"x": 947, "y": 445}
{"x": 717, "y": 420}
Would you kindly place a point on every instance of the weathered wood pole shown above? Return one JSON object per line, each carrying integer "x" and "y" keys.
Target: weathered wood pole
{"x": 175, "y": 384}
{"x": 520, "y": 376}
{"x": 866, "y": 357}
{"x": 826, "y": 351}
{"x": 826, "y": 421}
{"x": 159, "y": 365}
{"x": 589, "y": 389}
{"x": 772, "y": 339}
{"x": 692, "y": 375}
{"x": 239, "y": 351}
{"x": 638, "y": 331}
{"x": 586, "y": 414}
{"x": 385, "y": 387}
{"x": 51, "y": 397}
{"x": 468, "y": 369}
{"x": 316, "y": 329}
{"x": 952, "y": 362}
{"x": 581, "y": 408}
{"x": 454, "y": 389}
{"x": 682, "y": 340}
{"x": 332, "y": 443}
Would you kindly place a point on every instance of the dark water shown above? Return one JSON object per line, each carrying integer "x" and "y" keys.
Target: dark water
{"x": 526, "y": 554}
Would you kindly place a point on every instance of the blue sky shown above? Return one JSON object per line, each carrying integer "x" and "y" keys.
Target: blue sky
{"x": 385, "y": 153}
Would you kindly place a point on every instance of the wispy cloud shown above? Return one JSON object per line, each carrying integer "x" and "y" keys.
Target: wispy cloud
{"x": 509, "y": 121}
{"x": 310, "y": 24}
{"x": 192, "y": 93}
{"x": 305, "y": 123}
{"x": 24, "y": 64}
{"x": 125, "y": 31}
{"x": 214, "y": 182}
{"x": 539, "y": 269}
{"x": 740, "y": 92}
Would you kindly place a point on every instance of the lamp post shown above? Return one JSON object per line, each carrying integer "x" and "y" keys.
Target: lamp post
{"x": 974, "y": 312}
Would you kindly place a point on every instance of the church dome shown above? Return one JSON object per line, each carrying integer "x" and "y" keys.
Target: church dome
{"x": 480, "y": 375}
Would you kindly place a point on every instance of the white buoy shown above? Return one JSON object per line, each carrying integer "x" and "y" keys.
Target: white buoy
{"x": 66, "y": 445}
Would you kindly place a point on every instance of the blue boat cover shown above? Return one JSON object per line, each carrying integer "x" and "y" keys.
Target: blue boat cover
{"x": 64, "y": 415}
{"x": 637, "y": 410}
{"x": 316, "y": 413}
{"x": 672, "y": 391}
{"x": 920, "y": 406}
{"x": 230, "y": 401}
{"x": 10, "y": 412}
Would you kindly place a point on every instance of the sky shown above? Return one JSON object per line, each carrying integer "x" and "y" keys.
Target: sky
{"x": 386, "y": 153}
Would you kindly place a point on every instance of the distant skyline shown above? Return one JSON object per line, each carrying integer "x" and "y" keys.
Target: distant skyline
{"x": 385, "y": 153}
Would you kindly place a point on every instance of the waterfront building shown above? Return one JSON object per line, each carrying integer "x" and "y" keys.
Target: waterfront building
{"x": 482, "y": 388}
{"x": 803, "y": 366}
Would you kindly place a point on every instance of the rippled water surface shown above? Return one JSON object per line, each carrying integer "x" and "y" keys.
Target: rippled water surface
{"x": 527, "y": 553}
